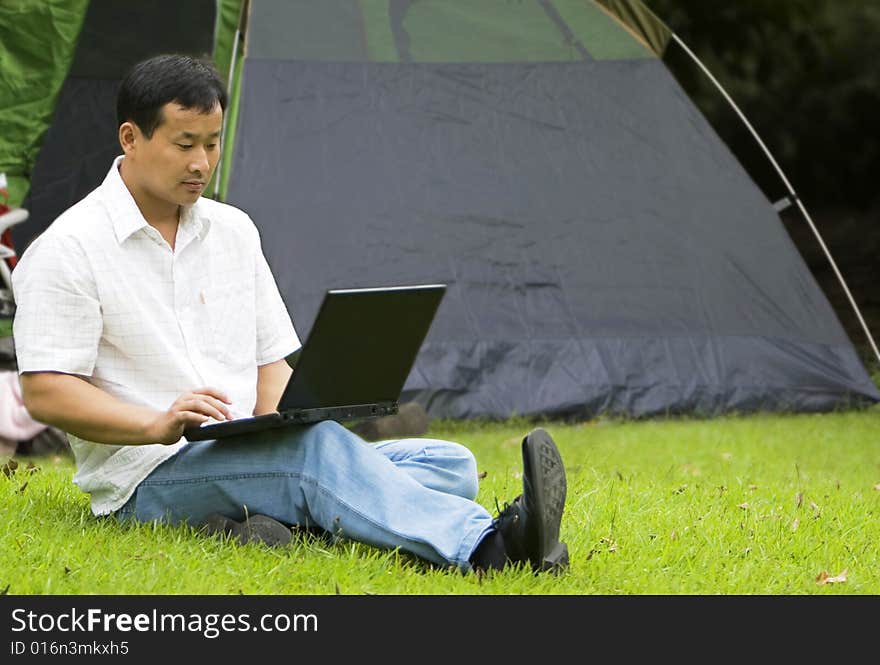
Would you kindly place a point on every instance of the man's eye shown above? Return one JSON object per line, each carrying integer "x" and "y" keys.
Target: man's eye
{"x": 184, "y": 146}
{"x": 211, "y": 146}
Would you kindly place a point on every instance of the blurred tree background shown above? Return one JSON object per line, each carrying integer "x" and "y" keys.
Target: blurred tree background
{"x": 806, "y": 74}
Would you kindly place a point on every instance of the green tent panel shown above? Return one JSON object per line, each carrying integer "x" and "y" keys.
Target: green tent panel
{"x": 37, "y": 41}
{"x": 441, "y": 31}
{"x": 641, "y": 22}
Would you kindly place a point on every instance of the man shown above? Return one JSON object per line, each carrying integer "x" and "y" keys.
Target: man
{"x": 145, "y": 308}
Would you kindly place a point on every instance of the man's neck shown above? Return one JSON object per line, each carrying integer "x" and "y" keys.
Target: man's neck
{"x": 167, "y": 228}
{"x": 161, "y": 215}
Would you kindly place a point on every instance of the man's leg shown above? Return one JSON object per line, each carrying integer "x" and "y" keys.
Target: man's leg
{"x": 324, "y": 475}
{"x": 440, "y": 465}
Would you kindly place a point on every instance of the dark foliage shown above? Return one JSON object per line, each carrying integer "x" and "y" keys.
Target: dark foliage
{"x": 806, "y": 73}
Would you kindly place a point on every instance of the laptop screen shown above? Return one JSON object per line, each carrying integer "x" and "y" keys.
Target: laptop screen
{"x": 362, "y": 346}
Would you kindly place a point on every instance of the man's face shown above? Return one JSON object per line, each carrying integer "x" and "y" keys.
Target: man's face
{"x": 176, "y": 163}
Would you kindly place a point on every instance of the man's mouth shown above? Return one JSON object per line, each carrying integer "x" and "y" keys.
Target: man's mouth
{"x": 194, "y": 185}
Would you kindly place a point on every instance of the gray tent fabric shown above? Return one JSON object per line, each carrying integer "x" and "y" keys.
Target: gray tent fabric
{"x": 605, "y": 252}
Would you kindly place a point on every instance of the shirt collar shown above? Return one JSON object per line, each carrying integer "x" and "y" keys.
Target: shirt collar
{"x": 194, "y": 222}
{"x": 127, "y": 217}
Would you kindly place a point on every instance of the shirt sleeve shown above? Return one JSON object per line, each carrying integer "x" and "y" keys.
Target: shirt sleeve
{"x": 276, "y": 336}
{"x": 57, "y": 324}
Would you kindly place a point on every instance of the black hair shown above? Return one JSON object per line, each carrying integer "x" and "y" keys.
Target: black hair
{"x": 191, "y": 82}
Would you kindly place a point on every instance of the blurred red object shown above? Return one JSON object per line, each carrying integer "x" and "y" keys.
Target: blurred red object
{"x": 6, "y": 236}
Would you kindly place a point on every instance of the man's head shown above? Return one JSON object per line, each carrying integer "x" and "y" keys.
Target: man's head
{"x": 170, "y": 113}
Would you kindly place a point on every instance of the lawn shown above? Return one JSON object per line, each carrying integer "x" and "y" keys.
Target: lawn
{"x": 761, "y": 504}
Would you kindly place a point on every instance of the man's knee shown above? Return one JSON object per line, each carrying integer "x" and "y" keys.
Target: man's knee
{"x": 328, "y": 430}
{"x": 459, "y": 460}
{"x": 327, "y": 437}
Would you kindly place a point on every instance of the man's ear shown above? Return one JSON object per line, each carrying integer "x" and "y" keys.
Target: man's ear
{"x": 129, "y": 136}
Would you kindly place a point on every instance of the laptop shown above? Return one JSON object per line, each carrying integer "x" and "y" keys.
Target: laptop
{"x": 353, "y": 364}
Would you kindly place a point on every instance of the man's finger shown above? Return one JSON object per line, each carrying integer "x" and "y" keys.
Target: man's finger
{"x": 193, "y": 418}
{"x": 203, "y": 406}
{"x": 219, "y": 405}
{"x": 213, "y": 392}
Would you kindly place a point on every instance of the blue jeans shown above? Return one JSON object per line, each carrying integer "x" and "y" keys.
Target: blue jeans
{"x": 415, "y": 494}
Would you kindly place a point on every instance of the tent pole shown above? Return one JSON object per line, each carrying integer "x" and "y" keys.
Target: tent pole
{"x": 220, "y": 165}
{"x": 794, "y": 197}
{"x": 230, "y": 87}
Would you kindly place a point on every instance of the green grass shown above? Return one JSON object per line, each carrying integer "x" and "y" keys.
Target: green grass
{"x": 738, "y": 505}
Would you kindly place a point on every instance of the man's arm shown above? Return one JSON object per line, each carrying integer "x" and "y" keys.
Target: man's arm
{"x": 74, "y": 405}
{"x": 271, "y": 380}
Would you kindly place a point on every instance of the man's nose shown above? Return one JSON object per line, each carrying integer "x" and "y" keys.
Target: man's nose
{"x": 198, "y": 160}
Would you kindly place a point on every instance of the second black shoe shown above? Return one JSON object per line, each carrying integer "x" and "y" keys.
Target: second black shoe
{"x": 530, "y": 524}
{"x": 254, "y": 529}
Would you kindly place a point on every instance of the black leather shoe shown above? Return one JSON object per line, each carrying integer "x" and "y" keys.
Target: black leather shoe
{"x": 255, "y": 529}
{"x": 530, "y": 524}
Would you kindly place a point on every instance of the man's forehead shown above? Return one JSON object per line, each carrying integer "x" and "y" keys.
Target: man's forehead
{"x": 194, "y": 135}
{"x": 191, "y": 121}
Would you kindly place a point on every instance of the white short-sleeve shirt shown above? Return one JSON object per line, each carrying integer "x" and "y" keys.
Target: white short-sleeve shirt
{"x": 100, "y": 294}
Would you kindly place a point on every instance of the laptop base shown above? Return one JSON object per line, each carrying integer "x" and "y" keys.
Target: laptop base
{"x": 287, "y": 418}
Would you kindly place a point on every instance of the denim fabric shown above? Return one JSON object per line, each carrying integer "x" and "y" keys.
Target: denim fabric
{"x": 416, "y": 494}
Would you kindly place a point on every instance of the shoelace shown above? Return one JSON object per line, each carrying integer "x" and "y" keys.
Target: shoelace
{"x": 502, "y": 513}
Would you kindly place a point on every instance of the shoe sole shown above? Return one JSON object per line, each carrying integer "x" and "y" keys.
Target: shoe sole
{"x": 547, "y": 472}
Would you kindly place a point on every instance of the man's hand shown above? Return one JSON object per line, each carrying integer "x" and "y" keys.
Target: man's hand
{"x": 191, "y": 408}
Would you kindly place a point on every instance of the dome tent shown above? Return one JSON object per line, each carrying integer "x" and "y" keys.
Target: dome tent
{"x": 605, "y": 251}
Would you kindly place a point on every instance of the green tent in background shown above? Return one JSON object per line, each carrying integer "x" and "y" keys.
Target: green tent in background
{"x": 37, "y": 41}
{"x": 61, "y": 113}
